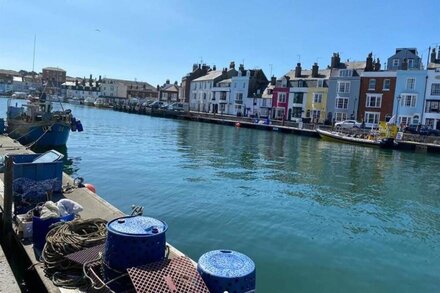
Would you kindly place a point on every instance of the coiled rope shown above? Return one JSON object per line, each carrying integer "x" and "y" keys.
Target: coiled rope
{"x": 67, "y": 238}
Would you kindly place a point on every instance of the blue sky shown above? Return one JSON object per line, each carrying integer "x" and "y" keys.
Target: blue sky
{"x": 155, "y": 40}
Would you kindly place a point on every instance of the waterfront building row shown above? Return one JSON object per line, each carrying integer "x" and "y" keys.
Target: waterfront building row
{"x": 54, "y": 81}
{"x": 404, "y": 92}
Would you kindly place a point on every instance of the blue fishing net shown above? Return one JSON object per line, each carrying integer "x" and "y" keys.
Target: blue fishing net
{"x": 28, "y": 193}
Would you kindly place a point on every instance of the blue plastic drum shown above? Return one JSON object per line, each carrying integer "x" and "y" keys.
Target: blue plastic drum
{"x": 227, "y": 270}
{"x": 40, "y": 228}
{"x": 132, "y": 241}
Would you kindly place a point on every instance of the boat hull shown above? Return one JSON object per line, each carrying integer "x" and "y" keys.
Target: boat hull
{"x": 330, "y": 136}
{"x": 40, "y": 134}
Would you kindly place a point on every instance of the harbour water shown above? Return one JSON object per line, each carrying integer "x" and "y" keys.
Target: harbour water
{"x": 315, "y": 216}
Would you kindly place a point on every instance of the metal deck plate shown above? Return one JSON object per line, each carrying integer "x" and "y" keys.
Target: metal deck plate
{"x": 168, "y": 276}
{"x": 86, "y": 255}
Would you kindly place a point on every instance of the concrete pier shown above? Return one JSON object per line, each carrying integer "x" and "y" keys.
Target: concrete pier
{"x": 94, "y": 207}
{"x": 7, "y": 278}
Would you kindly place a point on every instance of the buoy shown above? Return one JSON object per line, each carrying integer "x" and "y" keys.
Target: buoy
{"x": 237, "y": 124}
{"x": 90, "y": 187}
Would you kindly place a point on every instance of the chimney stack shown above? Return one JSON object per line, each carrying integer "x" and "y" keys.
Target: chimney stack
{"x": 241, "y": 67}
{"x": 232, "y": 65}
{"x": 438, "y": 55}
{"x": 214, "y": 67}
{"x": 298, "y": 70}
{"x": 315, "y": 69}
{"x": 335, "y": 61}
{"x": 167, "y": 81}
{"x": 377, "y": 65}
{"x": 205, "y": 68}
{"x": 369, "y": 64}
{"x": 273, "y": 80}
{"x": 405, "y": 64}
{"x": 194, "y": 67}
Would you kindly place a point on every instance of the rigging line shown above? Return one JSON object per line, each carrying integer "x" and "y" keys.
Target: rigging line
{"x": 24, "y": 134}
{"x": 30, "y": 145}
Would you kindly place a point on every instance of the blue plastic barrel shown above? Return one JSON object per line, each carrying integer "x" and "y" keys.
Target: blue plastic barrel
{"x": 132, "y": 241}
{"x": 41, "y": 227}
{"x": 227, "y": 270}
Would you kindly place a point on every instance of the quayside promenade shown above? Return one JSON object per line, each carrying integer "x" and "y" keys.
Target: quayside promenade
{"x": 94, "y": 207}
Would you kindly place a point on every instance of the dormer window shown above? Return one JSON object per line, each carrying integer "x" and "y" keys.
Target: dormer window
{"x": 346, "y": 73}
{"x": 410, "y": 63}
{"x": 395, "y": 62}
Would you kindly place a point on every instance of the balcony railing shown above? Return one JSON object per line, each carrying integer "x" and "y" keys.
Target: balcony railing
{"x": 240, "y": 102}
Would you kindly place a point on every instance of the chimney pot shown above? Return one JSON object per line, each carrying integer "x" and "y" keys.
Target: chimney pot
{"x": 315, "y": 70}
{"x": 298, "y": 70}
{"x": 433, "y": 56}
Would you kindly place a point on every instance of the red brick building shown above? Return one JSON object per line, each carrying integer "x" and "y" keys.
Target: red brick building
{"x": 376, "y": 97}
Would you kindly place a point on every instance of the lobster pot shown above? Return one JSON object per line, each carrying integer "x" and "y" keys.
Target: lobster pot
{"x": 133, "y": 241}
{"x": 227, "y": 270}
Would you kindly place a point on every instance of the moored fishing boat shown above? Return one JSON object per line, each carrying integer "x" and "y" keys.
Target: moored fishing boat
{"x": 35, "y": 124}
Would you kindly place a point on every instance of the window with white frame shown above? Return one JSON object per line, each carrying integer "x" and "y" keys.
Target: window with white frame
{"x": 320, "y": 83}
{"x": 340, "y": 116}
{"x": 408, "y": 100}
{"x": 343, "y": 86}
{"x": 405, "y": 120}
{"x": 410, "y": 83}
{"x": 386, "y": 84}
{"x": 204, "y": 96}
{"x": 345, "y": 72}
{"x": 239, "y": 96}
{"x": 372, "y": 84}
{"x": 317, "y": 97}
{"x": 281, "y": 97}
{"x": 341, "y": 103}
{"x": 372, "y": 117}
{"x": 416, "y": 119}
{"x": 395, "y": 62}
{"x": 435, "y": 89}
{"x": 280, "y": 112}
{"x": 316, "y": 114}
{"x": 410, "y": 63}
{"x": 429, "y": 122}
{"x": 374, "y": 101}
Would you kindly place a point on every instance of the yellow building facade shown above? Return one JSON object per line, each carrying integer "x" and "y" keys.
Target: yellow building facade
{"x": 316, "y": 104}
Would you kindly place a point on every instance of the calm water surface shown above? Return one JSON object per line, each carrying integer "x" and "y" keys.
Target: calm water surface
{"x": 314, "y": 216}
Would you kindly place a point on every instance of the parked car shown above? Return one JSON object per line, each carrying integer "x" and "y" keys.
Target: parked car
{"x": 348, "y": 124}
{"x": 178, "y": 107}
{"x": 156, "y": 105}
{"x": 421, "y": 129}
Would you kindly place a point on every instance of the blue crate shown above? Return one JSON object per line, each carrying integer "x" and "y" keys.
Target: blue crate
{"x": 24, "y": 166}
